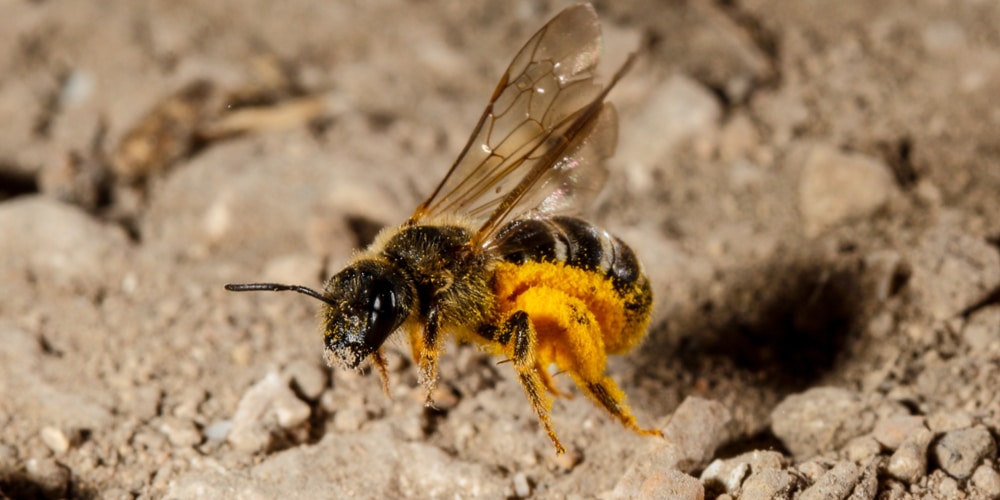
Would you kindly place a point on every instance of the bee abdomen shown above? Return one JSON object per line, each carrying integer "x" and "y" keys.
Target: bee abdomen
{"x": 574, "y": 242}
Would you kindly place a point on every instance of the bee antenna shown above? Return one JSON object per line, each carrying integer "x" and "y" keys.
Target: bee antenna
{"x": 275, "y": 287}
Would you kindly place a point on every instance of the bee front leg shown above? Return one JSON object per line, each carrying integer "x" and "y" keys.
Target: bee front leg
{"x": 519, "y": 335}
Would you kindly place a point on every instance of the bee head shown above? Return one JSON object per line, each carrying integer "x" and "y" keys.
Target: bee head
{"x": 368, "y": 301}
{"x": 364, "y": 303}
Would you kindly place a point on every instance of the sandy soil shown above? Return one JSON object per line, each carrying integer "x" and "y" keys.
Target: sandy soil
{"x": 814, "y": 188}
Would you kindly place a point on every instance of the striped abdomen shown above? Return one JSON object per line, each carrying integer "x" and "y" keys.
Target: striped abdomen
{"x": 574, "y": 242}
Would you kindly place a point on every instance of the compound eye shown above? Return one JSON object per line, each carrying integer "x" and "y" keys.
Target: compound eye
{"x": 384, "y": 315}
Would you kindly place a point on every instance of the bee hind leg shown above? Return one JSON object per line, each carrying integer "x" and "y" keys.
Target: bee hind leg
{"x": 606, "y": 393}
{"x": 518, "y": 332}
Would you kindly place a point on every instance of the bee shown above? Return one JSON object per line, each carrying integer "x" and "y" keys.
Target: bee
{"x": 494, "y": 256}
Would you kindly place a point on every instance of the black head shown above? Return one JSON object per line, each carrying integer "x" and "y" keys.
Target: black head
{"x": 370, "y": 300}
{"x": 364, "y": 304}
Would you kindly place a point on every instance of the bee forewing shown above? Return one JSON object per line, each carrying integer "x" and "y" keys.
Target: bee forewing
{"x": 547, "y": 84}
{"x": 577, "y": 178}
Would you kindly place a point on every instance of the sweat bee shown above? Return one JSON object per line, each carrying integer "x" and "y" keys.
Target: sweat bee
{"x": 493, "y": 256}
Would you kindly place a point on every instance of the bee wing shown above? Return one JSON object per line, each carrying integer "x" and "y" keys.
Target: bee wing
{"x": 544, "y": 120}
{"x": 564, "y": 183}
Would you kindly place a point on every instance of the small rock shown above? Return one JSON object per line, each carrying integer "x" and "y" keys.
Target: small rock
{"x": 948, "y": 488}
{"x": 521, "y": 486}
{"x": 867, "y": 485}
{"x": 892, "y": 431}
{"x": 768, "y": 484}
{"x": 570, "y": 459}
{"x": 960, "y": 452}
{"x": 813, "y": 470}
{"x": 819, "y": 419}
{"x": 268, "y": 403}
{"x": 860, "y": 449}
{"x": 838, "y": 482}
{"x": 730, "y": 473}
{"x": 349, "y": 419}
{"x": 725, "y": 474}
{"x": 55, "y": 439}
{"x": 738, "y": 139}
{"x": 8, "y": 458}
{"x": 671, "y": 485}
{"x": 696, "y": 429}
{"x": 444, "y": 398}
{"x": 884, "y": 268}
{"x": 980, "y": 333}
{"x": 945, "y": 421}
{"x": 987, "y": 480}
{"x": 909, "y": 462}
{"x": 952, "y": 269}
{"x": 837, "y": 186}
{"x": 49, "y": 476}
{"x": 218, "y": 430}
{"x": 309, "y": 378}
{"x": 180, "y": 432}
{"x": 289, "y": 409}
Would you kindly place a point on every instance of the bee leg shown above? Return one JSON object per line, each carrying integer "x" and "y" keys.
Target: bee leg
{"x": 518, "y": 332}
{"x": 606, "y": 393}
{"x": 550, "y": 383}
{"x": 378, "y": 359}
{"x": 429, "y": 353}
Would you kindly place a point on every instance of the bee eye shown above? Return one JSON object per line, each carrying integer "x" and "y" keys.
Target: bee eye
{"x": 384, "y": 315}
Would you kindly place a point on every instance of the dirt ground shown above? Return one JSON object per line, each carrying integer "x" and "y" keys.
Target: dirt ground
{"x": 813, "y": 187}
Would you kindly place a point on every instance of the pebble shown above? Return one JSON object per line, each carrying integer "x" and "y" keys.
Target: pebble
{"x": 49, "y": 476}
{"x": 946, "y": 421}
{"x": 8, "y": 457}
{"x": 309, "y": 378}
{"x": 892, "y": 431}
{"x": 838, "y": 482}
{"x": 730, "y": 473}
{"x": 884, "y": 269}
{"x": 980, "y": 333}
{"x": 987, "y": 481}
{"x": 738, "y": 139}
{"x": 813, "y": 470}
{"x": 952, "y": 269}
{"x": 349, "y": 419}
{"x": 836, "y": 186}
{"x": 218, "y": 430}
{"x": 697, "y": 427}
{"x": 768, "y": 484}
{"x": 867, "y": 485}
{"x": 55, "y": 439}
{"x": 819, "y": 419}
{"x": 267, "y": 403}
{"x": 521, "y": 486}
{"x": 909, "y": 462}
{"x": 180, "y": 432}
{"x": 570, "y": 459}
{"x": 671, "y": 485}
{"x": 948, "y": 488}
{"x": 860, "y": 449}
{"x": 959, "y": 452}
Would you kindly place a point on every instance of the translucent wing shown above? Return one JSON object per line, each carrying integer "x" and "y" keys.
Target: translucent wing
{"x": 545, "y": 122}
{"x": 564, "y": 182}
